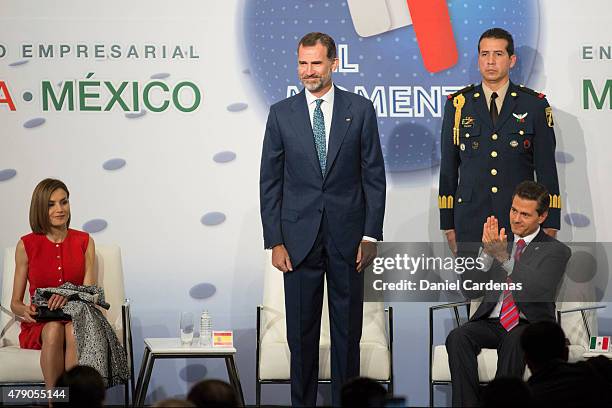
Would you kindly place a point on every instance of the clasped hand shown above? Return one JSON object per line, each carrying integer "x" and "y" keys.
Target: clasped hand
{"x": 494, "y": 240}
{"x": 54, "y": 302}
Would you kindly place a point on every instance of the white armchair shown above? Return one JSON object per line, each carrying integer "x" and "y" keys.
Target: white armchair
{"x": 272, "y": 355}
{"x": 22, "y": 367}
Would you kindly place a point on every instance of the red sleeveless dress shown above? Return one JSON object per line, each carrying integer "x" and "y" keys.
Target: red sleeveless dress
{"x": 50, "y": 265}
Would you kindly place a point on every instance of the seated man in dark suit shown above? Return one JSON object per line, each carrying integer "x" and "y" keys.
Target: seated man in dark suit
{"x": 529, "y": 268}
{"x": 556, "y": 382}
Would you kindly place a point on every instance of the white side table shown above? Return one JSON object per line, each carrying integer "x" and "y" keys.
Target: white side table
{"x": 157, "y": 348}
{"x": 591, "y": 354}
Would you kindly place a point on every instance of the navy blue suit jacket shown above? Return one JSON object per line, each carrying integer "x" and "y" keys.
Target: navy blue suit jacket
{"x": 294, "y": 193}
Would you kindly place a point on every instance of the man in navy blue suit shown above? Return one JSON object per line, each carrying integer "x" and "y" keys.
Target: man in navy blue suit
{"x": 322, "y": 196}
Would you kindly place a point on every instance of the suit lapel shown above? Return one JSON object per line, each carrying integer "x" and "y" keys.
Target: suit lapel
{"x": 341, "y": 121}
{"x": 508, "y": 106}
{"x": 480, "y": 106}
{"x": 301, "y": 122}
{"x": 534, "y": 246}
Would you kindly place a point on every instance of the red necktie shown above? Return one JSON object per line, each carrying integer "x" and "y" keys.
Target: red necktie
{"x": 509, "y": 315}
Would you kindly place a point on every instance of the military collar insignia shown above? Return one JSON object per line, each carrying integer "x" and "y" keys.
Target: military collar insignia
{"x": 520, "y": 117}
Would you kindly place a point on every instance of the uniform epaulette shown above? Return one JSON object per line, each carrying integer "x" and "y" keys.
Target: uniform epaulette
{"x": 464, "y": 90}
{"x": 530, "y": 91}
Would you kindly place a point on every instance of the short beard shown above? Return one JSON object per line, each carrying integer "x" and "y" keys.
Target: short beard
{"x": 317, "y": 86}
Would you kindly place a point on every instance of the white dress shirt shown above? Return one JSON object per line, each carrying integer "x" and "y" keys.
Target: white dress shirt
{"x": 327, "y": 107}
{"x": 508, "y": 266}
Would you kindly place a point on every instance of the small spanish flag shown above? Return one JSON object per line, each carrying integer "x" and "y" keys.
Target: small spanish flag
{"x": 223, "y": 338}
{"x": 601, "y": 343}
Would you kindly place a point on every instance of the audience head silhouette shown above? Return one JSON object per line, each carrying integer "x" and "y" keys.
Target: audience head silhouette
{"x": 542, "y": 343}
{"x": 363, "y": 392}
{"x": 85, "y": 386}
{"x": 213, "y": 394}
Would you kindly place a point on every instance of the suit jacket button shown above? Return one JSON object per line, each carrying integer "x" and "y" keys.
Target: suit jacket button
{"x": 494, "y": 189}
{"x": 494, "y": 136}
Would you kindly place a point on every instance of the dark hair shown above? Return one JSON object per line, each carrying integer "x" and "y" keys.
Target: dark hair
{"x": 85, "y": 387}
{"x": 213, "y": 393}
{"x": 39, "y": 206}
{"x": 506, "y": 392}
{"x": 500, "y": 34}
{"x": 543, "y": 342}
{"x": 530, "y": 190}
{"x": 362, "y": 392}
{"x": 312, "y": 39}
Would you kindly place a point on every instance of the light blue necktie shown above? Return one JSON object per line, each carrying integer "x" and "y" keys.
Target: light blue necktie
{"x": 318, "y": 129}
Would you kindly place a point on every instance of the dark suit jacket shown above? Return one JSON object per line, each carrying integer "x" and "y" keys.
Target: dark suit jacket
{"x": 293, "y": 192}
{"x": 473, "y": 183}
{"x": 539, "y": 270}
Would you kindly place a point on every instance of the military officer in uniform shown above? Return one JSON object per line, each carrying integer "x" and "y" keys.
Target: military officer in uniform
{"x": 494, "y": 136}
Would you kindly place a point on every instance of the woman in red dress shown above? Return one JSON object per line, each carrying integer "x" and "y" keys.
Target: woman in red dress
{"x": 51, "y": 255}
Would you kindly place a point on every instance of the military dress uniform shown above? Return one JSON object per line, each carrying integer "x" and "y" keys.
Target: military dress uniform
{"x": 482, "y": 163}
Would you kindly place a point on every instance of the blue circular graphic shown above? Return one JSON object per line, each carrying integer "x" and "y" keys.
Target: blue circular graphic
{"x": 272, "y": 29}
{"x": 32, "y": 123}
{"x": 212, "y": 218}
{"x": 202, "y": 291}
{"x": 564, "y": 157}
{"x": 95, "y": 225}
{"x": 237, "y": 107}
{"x": 577, "y": 220}
{"x": 7, "y": 174}
{"x": 113, "y": 164}
{"x": 224, "y": 157}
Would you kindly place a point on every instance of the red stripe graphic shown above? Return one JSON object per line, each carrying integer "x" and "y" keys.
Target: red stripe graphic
{"x": 434, "y": 33}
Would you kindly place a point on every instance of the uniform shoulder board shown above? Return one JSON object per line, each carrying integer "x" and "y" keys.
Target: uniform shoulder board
{"x": 464, "y": 90}
{"x": 530, "y": 91}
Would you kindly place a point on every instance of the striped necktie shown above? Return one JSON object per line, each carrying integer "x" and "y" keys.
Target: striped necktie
{"x": 509, "y": 316}
{"x": 318, "y": 129}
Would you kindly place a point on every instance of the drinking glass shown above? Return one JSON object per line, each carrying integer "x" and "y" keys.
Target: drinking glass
{"x": 186, "y": 328}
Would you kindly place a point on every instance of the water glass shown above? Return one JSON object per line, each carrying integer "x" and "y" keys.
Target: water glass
{"x": 186, "y": 328}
